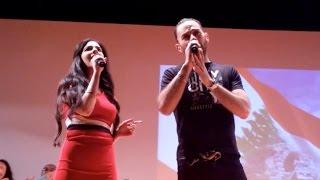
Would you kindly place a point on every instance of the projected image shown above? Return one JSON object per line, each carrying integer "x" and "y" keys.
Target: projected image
{"x": 280, "y": 138}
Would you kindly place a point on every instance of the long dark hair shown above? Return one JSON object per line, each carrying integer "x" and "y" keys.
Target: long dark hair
{"x": 73, "y": 85}
{"x": 8, "y": 174}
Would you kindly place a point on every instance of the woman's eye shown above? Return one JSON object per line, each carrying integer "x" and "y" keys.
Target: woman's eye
{"x": 89, "y": 48}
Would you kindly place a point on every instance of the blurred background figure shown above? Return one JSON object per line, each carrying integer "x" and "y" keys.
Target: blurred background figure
{"x": 5, "y": 170}
{"x": 47, "y": 172}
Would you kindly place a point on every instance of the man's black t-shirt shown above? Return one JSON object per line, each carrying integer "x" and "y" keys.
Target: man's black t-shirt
{"x": 203, "y": 124}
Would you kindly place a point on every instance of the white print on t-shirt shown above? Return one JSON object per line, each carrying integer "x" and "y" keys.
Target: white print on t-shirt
{"x": 195, "y": 84}
{"x": 214, "y": 75}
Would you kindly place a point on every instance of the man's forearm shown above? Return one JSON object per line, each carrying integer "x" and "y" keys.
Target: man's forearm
{"x": 237, "y": 101}
{"x": 170, "y": 96}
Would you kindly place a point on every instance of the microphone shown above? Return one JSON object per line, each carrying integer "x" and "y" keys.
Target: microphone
{"x": 194, "y": 48}
{"x": 100, "y": 62}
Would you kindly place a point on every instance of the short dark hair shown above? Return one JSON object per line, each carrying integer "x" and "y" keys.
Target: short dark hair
{"x": 182, "y": 21}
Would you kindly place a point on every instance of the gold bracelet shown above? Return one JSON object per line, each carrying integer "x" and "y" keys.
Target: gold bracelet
{"x": 90, "y": 92}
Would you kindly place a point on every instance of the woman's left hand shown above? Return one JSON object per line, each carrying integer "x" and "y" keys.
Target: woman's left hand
{"x": 127, "y": 127}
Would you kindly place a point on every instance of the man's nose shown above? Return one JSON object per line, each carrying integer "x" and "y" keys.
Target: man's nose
{"x": 193, "y": 37}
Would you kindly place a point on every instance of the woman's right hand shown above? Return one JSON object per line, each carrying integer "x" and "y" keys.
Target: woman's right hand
{"x": 95, "y": 62}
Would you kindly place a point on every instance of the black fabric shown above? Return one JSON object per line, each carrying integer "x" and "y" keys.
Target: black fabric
{"x": 202, "y": 122}
{"x": 88, "y": 127}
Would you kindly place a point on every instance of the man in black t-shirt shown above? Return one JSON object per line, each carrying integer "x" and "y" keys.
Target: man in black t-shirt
{"x": 204, "y": 96}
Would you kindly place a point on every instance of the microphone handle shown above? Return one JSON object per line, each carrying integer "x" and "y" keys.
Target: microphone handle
{"x": 100, "y": 62}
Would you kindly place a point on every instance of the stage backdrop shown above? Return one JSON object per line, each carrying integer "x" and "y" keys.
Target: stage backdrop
{"x": 280, "y": 71}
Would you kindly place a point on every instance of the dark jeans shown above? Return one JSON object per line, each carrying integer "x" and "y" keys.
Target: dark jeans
{"x": 222, "y": 169}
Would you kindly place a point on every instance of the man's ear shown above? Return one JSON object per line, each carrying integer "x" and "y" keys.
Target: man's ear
{"x": 179, "y": 48}
{"x": 206, "y": 35}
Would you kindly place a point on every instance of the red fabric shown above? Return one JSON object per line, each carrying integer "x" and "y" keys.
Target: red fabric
{"x": 103, "y": 110}
{"x": 86, "y": 155}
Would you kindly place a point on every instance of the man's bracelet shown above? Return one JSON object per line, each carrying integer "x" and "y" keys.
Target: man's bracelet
{"x": 213, "y": 85}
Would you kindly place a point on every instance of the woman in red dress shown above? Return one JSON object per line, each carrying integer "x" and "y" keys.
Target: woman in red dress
{"x": 86, "y": 103}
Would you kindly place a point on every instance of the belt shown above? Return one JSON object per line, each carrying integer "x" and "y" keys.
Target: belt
{"x": 212, "y": 155}
{"x": 76, "y": 121}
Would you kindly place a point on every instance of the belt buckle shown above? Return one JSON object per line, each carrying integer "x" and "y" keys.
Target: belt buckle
{"x": 211, "y": 155}
{"x": 194, "y": 161}
{"x": 207, "y": 156}
{"x": 190, "y": 163}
